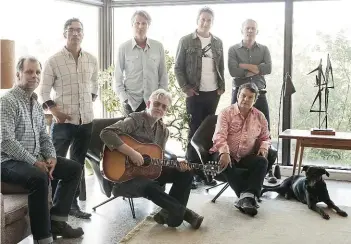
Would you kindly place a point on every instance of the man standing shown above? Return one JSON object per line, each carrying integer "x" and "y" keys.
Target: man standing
{"x": 249, "y": 61}
{"x": 28, "y": 157}
{"x": 140, "y": 67}
{"x": 199, "y": 69}
{"x": 72, "y": 75}
{"x": 242, "y": 140}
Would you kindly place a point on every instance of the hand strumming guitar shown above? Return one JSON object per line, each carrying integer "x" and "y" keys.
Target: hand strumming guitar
{"x": 134, "y": 156}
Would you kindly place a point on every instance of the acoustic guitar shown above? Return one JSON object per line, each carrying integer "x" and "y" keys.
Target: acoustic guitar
{"x": 117, "y": 167}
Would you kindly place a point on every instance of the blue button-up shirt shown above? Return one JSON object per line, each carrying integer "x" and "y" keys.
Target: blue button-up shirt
{"x": 140, "y": 71}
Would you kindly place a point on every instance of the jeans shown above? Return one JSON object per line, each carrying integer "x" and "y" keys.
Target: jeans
{"x": 175, "y": 202}
{"x": 199, "y": 107}
{"x": 127, "y": 109}
{"x": 261, "y": 103}
{"x": 76, "y": 136}
{"x": 37, "y": 182}
{"x": 251, "y": 181}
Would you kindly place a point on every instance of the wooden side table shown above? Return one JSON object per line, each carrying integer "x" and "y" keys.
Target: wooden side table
{"x": 341, "y": 140}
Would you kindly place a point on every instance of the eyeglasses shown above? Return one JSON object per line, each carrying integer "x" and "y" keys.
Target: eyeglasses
{"x": 72, "y": 30}
{"x": 158, "y": 104}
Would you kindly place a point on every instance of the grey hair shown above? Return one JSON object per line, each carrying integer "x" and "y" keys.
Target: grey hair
{"x": 141, "y": 13}
{"x": 205, "y": 10}
{"x": 159, "y": 93}
{"x": 251, "y": 87}
{"x": 20, "y": 63}
{"x": 247, "y": 20}
{"x": 70, "y": 21}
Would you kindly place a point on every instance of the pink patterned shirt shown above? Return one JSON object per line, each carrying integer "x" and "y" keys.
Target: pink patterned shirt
{"x": 239, "y": 136}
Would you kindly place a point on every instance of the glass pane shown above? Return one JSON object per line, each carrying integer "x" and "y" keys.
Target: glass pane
{"x": 40, "y": 33}
{"x": 181, "y": 20}
{"x": 314, "y": 38}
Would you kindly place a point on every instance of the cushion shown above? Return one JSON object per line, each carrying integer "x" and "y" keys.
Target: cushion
{"x": 7, "y": 188}
{"x": 15, "y": 207}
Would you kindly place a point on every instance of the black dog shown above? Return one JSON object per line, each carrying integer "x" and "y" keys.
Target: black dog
{"x": 309, "y": 190}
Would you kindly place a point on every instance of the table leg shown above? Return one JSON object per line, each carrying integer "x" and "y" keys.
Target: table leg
{"x": 300, "y": 162}
{"x": 298, "y": 143}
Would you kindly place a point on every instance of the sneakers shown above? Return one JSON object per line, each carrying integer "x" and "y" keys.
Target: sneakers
{"x": 247, "y": 205}
{"x": 190, "y": 216}
{"x": 61, "y": 228}
{"x": 76, "y": 212}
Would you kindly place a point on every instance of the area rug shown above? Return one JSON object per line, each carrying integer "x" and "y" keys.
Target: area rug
{"x": 278, "y": 221}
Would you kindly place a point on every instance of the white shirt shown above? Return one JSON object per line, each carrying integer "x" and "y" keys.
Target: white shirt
{"x": 72, "y": 84}
{"x": 208, "y": 74}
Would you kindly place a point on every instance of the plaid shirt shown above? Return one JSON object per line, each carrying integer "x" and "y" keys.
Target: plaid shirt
{"x": 73, "y": 84}
{"x": 23, "y": 131}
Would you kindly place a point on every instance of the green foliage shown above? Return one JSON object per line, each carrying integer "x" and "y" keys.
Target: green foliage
{"x": 176, "y": 118}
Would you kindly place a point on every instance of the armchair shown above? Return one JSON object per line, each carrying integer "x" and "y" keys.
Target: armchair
{"x": 202, "y": 142}
{"x": 93, "y": 155}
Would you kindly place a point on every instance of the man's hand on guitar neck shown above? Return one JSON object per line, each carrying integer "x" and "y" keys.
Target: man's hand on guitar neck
{"x": 183, "y": 166}
{"x": 134, "y": 156}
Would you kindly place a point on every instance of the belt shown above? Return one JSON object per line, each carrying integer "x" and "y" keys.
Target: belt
{"x": 262, "y": 91}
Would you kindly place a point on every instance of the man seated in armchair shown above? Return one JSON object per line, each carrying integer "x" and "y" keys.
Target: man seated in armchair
{"x": 242, "y": 140}
{"x": 146, "y": 127}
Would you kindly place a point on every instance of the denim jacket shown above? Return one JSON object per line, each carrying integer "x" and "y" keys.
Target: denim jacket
{"x": 188, "y": 62}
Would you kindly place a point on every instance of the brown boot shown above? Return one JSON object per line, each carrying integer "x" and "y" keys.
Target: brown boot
{"x": 193, "y": 218}
{"x": 161, "y": 217}
{"x": 61, "y": 228}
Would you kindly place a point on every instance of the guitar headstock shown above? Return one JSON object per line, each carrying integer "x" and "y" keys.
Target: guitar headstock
{"x": 212, "y": 168}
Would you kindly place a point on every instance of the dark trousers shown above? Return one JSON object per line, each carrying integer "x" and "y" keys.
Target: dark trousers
{"x": 175, "y": 202}
{"x": 76, "y": 136}
{"x": 199, "y": 107}
{"x": 127, "y": 109}
{"x": 36, "y": 181}
{"x": 261, "y": 103}
{"x": 250, "y": 181}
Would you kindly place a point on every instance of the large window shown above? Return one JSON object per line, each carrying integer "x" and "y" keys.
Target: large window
{"x": 170, "y": 23}
{"x": 36, "y": 26}
{"x": 315, "y": 37}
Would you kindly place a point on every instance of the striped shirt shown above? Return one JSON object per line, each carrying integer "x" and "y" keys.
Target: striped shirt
{"x": 73, "y": 84}
{"x": 239, "y": 136}
{"x": 23, "y": 130}
{"x": 140, "y": 71}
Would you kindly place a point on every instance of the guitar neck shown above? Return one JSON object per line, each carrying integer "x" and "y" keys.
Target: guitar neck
{"x": 175, "y": 163}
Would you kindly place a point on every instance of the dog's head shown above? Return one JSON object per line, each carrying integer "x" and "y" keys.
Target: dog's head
{"x": 314, "y": 174}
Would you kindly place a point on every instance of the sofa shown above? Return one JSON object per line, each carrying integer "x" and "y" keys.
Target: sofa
{"x": 15, "y": 225}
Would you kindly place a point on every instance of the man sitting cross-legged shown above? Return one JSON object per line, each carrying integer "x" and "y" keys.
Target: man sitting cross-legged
{"x": 242, "y": 140}
{"x": 147, "y": 126}
{"x": 28, "y": 157}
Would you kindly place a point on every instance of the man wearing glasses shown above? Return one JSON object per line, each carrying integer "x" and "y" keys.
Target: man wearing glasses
{"x": 147, "y": 126}
{"x": 72, "y": 75}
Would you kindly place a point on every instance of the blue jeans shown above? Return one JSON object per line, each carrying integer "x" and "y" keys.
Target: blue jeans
{"x": 36, "y": 181}
{"x": 74, "y": 137}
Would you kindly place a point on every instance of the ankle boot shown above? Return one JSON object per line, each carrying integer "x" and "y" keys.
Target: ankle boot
{"x": 161, "y": 217}
{"x": 61, "y": 228}
{"x": 193, "y": 218}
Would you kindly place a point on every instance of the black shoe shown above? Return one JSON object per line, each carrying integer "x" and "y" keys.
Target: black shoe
{"x": 239, "y": 205}
{"x": 193, "y": 218}
{"x": 61, "y": 228}
{"x": 210, "y": 183}
{"x": 249, "y": 206}
{"x": 193, "y": 184}
{"x": 76, "y": 212}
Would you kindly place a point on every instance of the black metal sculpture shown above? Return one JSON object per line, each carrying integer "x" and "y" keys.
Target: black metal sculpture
{"x": 324, "y": 83}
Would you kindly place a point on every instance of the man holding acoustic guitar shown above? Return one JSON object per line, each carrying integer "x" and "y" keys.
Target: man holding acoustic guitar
{"x": 133, "y": 156}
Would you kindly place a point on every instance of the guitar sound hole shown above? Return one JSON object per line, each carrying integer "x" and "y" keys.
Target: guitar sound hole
{"x": 147, "y": 160}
